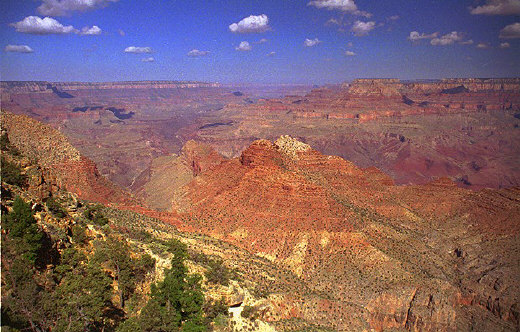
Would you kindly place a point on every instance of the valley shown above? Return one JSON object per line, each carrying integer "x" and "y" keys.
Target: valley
{"x": 417, "y": 231}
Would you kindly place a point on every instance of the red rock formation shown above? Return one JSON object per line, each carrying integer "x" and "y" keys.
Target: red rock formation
{"x": 391, "y": 256}
{"x": 52, "y": 151}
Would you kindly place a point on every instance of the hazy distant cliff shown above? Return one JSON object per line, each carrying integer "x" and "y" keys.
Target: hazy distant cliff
{"x": 394, "y": 86}
{"x": 43, "y": 86}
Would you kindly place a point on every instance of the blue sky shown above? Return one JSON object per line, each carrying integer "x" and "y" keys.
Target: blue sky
{"x": 85, "y": 40}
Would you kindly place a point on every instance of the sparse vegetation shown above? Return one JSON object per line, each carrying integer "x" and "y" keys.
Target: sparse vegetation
{"x": 249, "y": 312}
{"x": 79, "y": 234}
{"x": 214, "y": 309}
{"x": 94, "y": 214}
{"x": 55, "y": 208}
{"x": 12, "y": 173}
{"x": 217, "y": 272}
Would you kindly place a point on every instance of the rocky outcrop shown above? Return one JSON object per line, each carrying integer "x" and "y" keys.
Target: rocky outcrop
{"x": 63, "y": 163}
{"x": 422, "y": 258}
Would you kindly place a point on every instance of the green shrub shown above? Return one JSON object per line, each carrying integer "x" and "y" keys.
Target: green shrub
{"x": 79, "y": 234}
{"x": 214, "y": 309}
{"x": 55, "y": 208}
{"x": 95, "y": 214}
{"x": 218, "y": 273}
{"x": 12, "y": 173}
{"x": 20, "y": 224}
{"x": 249, "y": 312}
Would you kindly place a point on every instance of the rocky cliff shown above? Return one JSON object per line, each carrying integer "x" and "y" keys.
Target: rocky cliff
{"x": 63, "y": 163}
{"x": 43, "y": 86}
{"x": 467, "y": 129}
{"x": 375, "y": 255}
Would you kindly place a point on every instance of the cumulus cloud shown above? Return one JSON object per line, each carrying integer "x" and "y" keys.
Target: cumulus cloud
{"x": 18, "y": 49}
{"x": 65, "y": 7}
{"x": 251, "y": 24}
{"x": 136, "y": 49}
{"x": 416, "y": 36}
{"x": 511, "y": 31}
{"x": 86, "y": 31}
{"x": 150, "y": 59}
{"x": 348, "y": 6}
{"x": 482, "y": 45}
{"x": 262, "y": 41}
{"x": 349, "y": 53}
{"x": 311, "y": 42}
{"x": 505, "y": 45}
{"x": 498, "y": 7}
{"x": 467, "y": 42}
{"x": 271, "y": 53}
{"x": 343, "y": 5}
{"x": 197, "y": 53}
{"x": 42, "y": 26}
{"x": 447, "y": 39}
{"x": 244, "y": 46}
{"x": 362, "y": 28}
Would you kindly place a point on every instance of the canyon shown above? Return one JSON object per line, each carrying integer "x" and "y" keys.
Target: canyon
{"x": 372, "y": 205}
{"x": 342, "y": 247}
{"x": 465, "y": 129}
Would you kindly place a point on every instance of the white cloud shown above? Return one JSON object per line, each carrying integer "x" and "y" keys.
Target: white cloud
{"x": 86, "y": 31}
{"x": 121, "y": 32}
{"x": 251, "y": 24}
{"x": 447, "y": 39}
{"x": 416, "y": 36}
{"x": 498, "y": 7}
{"x": 393, "y": 18}
{"x": 197, "y": 53}
{"x": 343, "y": 5}
{"x": 350, "y": 53}
{"x": 348, "y": 6}
{"x": 333, "y": 21}
{"x": 136, "y": 49}
{"x": 505, "y": 45}
{"x": 244, "y": 46}
{"x": 271, "y": 53}
{"x": 42, "y": 26}
{"x": 482, "y": 45}
{"x": 362, "y": 28}
{"x": 262, "y": 41}
{"x": 311, "y": 42}
{"x": 511, "y": 31}
{"x": 150, "y": 59}
{"x": 18, "y": 49}
{"x": 65, "y": 7}
{"x": 467, "y": 42}
{"x": 350, "y": 44}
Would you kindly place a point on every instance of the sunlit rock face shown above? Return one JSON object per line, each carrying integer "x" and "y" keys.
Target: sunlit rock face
{"x": 405, "y": 257}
